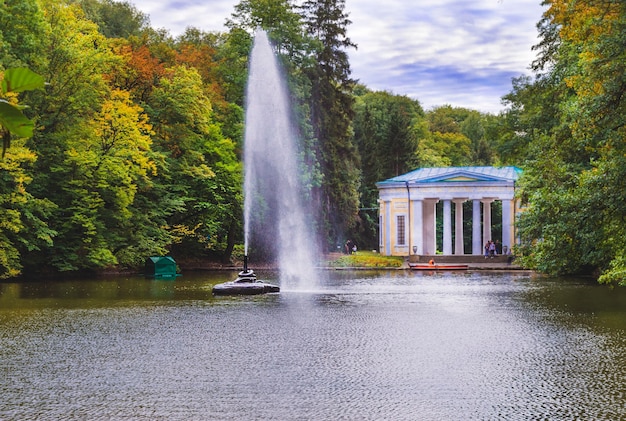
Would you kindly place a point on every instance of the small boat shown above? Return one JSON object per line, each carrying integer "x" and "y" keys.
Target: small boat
{"x": 245, "y": 284}
{"x": 437, "y": 266}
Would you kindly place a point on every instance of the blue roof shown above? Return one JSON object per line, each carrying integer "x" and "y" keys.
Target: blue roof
{"x": 457, "y": 174}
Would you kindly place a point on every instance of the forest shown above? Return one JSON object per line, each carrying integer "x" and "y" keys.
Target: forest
{"x": 129, "y": 140}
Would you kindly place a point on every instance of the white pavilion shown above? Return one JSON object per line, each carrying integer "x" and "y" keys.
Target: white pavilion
{"x": 407, "y": 203}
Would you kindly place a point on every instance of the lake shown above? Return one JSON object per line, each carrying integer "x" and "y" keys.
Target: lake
{"x": 364, "y": 345}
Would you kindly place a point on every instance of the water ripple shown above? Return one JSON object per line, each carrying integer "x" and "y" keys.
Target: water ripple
{"x": 391, "y": 347}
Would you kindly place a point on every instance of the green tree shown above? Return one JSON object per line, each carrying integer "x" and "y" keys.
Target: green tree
{"x": 459, "y": 136}
{"x": 232, "y": 54}
{"x": 387, "y": 140}
{"x": 203, "y": 51}
{"x": 573, "y": 183}
{"x": 23, "y": 216}
{"x": 474, "y": 127}
{"x": 533, "y": 108}
{"x": 331, "y": 116}
{"x": 22, "y": 34}
{"x": 23, "y": 225}
{"x": 202, "y": 168}
{"x": 68, "y": 148}
{"x": 115, "y": 19}
{"x": 455, "y": 148}
{"x": 105, "y": 163}
{"x": 278, "y": 18}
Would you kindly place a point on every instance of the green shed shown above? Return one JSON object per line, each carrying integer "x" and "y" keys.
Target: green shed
{"x": 161, "y": 267}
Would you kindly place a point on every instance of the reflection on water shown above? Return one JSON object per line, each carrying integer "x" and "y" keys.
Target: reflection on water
{"x": 108, "y": 291}
{"x": 365, "y": 346}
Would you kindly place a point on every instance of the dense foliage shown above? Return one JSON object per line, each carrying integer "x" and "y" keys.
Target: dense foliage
{"x": 133, "y": 147}
{"x": 134, "y": 150}
{"x": 568, "y": 126}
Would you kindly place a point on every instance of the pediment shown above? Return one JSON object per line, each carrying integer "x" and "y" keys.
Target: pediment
{"x": 456, "y": 175}
{"x": 460, "y": 177}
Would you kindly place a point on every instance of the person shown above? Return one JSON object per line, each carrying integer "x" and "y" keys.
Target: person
{"x": 492, "y": 249}
{"x": 431, "y": 262}
{"x": 349, "y": 246}
{"x": 487, "y": 245}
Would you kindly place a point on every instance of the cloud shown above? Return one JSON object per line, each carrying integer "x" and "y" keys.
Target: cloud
{"x": 458, "y": 52}
{"x": 462, "y": 53}
{"x": 176, "y": 15}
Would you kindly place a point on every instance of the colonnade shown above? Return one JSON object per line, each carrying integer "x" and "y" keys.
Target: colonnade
{"x": 421, "y": 224}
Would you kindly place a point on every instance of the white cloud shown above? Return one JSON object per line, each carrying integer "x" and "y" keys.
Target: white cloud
{"x": 176, "y": 15}
{"x": 458, "y": 52}
{"x": 462, "y": 53}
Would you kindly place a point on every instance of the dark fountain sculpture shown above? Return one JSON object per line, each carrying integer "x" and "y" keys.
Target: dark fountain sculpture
{"x": 245, "y": 284}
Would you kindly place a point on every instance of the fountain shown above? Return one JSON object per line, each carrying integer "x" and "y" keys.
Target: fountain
{"x": 274, "y": 213}
{"x": 245, "y": 284}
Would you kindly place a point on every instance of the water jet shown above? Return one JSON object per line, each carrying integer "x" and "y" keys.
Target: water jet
{"x": 276, "y": 219}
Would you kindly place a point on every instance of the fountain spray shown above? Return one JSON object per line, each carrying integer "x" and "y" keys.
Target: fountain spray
{"x": 273, "y": 196}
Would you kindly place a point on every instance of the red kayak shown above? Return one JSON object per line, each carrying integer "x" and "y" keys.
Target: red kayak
{"x": 437, "y": 266}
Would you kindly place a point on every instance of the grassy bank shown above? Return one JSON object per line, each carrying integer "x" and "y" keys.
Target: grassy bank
{"x": 363, "y": 259}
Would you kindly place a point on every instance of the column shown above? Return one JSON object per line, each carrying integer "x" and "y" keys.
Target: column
{"x": 477, "y": 241}
{"x": 507, "y": 223}
{"x": 387, "y": 225}
{"x": 430, "y": 226}
{"x": 447, "y": 228}
{"x": 458, "y": 226}
{"x": 487, "y": 219}
{"x": 418, "y": 237}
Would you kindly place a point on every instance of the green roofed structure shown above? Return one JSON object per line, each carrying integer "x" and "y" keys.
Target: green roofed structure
{"x": 161, "y": 267}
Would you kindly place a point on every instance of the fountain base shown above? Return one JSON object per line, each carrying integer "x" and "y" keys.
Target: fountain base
{"x": 245, "y": 284}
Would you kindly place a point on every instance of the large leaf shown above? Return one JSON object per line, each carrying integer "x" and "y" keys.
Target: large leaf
{"x": 21, "y": 79}
{"x": 12, "y": 119}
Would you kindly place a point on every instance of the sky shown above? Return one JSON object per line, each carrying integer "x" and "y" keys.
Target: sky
{"x": 462, "y": 53}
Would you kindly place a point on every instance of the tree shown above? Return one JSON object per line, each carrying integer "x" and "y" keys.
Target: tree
{"x": 202, "y": 168}
{"x": 79, "y": 58}
{"x": 23, "y": 215}
{"x": 204, "y": 52}
{"x": 232, "y": 56}
{"x": 474, "y": 127}
{"x": 23, "y": 225}
{"x": 533, "y": 108}
{"x": 106, "y": 184}
{"x": 278, "y": 18}
{"x": 331, "y": 116}
{"x": 455, "y": 148}
{"x": 447, "y": 126}
{"x": 573, "y": 180}
{"x": 115, "y": 19}
{"x": 22, "y": 34}
{"x": 383, "y": 133}
{"x": 139, "y": 72}
{"x": 106, "y": 162}
{"x": 387, "y": 140}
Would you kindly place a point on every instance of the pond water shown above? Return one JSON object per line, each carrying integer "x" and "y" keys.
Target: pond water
{"x": 393, "y": 345}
